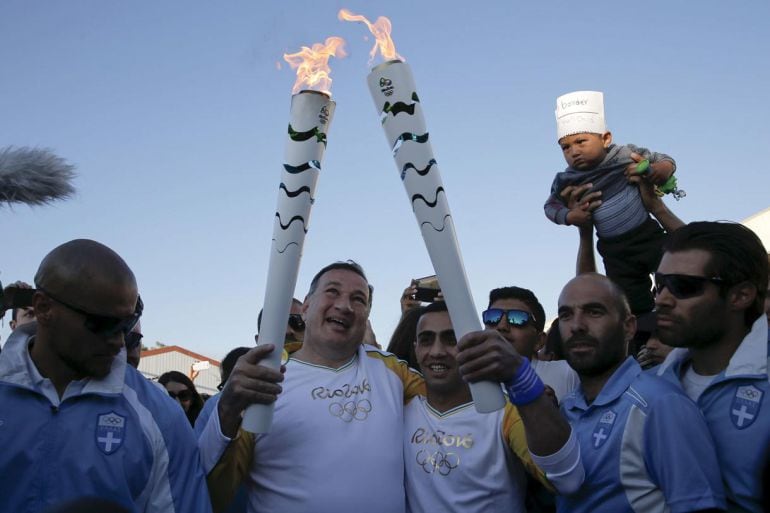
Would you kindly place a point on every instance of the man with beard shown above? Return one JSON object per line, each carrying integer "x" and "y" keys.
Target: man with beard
{"x": 711, "y": 287}
{"x": 645, "y": 446}
{"x": 459, "y": 460}
{"x": 75, "y": 419}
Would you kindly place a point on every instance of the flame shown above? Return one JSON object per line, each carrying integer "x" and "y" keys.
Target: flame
{"x": 312, "y": 64}
{"x": 380, "y": 29}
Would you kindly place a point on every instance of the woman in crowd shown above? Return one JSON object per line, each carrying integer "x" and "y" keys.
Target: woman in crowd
{"x": 181, "y": 388}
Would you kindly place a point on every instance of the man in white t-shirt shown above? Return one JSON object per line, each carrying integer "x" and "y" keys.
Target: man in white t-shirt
{"x": 337, "y": 430}
{"x": 459, "y": 460}
{"x": 519, "y": 317}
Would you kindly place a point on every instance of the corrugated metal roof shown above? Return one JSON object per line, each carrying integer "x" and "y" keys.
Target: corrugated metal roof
{"x": 155, "y": 362}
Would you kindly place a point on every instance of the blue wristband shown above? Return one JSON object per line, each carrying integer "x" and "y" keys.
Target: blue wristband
{"x": 525, "y": 386}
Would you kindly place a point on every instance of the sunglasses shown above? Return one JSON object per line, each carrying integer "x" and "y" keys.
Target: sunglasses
{"x": 133, "y": 339}
{"x": 683, "y": 286}
{"x": 296, "y": 323}
{"x": 102, "y": 324}
{"x": 184, "y": 395}
{"x": 518, "y": 318}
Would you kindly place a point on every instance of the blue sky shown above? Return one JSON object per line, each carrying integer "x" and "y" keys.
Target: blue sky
{"x": 175, "y": 115}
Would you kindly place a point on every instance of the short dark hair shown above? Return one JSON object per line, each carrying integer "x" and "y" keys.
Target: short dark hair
{"x": 736, "y": 255}
{"x": 229, "y": 361}
{"x": 348, "y": 265}
{"x": 526, "y": 296}
{"x": 438, "y": 306}
{"x": 14, "y": 313}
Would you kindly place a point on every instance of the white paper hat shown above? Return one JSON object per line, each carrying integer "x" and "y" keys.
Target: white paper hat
{"x": 578, "y": 112}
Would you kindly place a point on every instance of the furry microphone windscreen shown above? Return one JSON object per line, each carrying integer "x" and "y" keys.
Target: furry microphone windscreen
{"x": 34, "y": 176}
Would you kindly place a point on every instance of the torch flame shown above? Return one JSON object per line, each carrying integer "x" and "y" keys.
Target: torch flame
{"x": 312, "y": 64}
{"x": 380, "y": 29}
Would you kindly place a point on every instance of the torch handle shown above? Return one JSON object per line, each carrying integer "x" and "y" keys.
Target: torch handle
{"x": 447, "y": 262}
{"x": 310, "y": 116}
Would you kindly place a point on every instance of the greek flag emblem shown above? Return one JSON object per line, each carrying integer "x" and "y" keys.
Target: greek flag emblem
{"x": 110, "y": 432}
{"x": 745, "y": 406}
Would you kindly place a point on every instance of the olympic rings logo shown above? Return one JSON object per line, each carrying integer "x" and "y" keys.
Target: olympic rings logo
{"x": 351, "y": 410}
{"x": 115, "y": 421}
{"x": 438, "y": 461}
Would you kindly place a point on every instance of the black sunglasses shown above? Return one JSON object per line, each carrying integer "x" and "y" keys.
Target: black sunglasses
{"x": 518, "y": 318}
{"x": 133, "y": 339}
{"x": 102, "y": 324}
{"x": 296, "y": 323}
{"x": 184, "y": 395}
{"x": 683, "y": 286}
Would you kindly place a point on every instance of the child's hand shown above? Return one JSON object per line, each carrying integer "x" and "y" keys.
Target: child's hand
{"x": 580, "y": 204}
{"x": 657, "y": 172}
{"x": 660, "y": 172}
{"x": 631, "y": 169}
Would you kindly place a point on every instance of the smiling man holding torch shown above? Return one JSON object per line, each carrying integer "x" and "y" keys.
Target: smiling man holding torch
{"x": 335, "y": 444}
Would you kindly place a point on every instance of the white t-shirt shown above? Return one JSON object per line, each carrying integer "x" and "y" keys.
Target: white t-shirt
{"x": 557, "y": 375}
{"x": 694, "y": 384}
{"x": 464, "y": 461}
{"x": 335, "y": 443}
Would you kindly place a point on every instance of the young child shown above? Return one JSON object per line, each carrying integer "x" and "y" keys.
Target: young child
{"x": 629, "y": 239}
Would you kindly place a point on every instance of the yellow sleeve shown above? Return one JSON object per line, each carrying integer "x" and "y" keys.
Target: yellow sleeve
{"x": 516, "y": 439}
{"x": 229, "y": 472}
{"x": 413, "y": 382}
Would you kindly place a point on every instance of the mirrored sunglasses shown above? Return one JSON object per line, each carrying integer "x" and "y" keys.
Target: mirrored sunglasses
{"x": 518, "y": 318}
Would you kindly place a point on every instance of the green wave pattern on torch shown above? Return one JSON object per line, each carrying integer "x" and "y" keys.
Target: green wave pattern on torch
{"x": 311, "y": 164}
{"x": 295, "y": 218}
{"x": 409, "y": 136}
{"x": 304, "y": 136}
{"x": 294, "y": 194}
{"x": 421, "y": 172}
{"x": 398, "y": 108}
{"x": 431, "y": 204}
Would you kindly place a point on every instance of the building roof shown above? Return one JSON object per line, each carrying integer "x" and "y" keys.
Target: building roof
{"x": 155, "y": 362}
{"x": 179, "y": 349}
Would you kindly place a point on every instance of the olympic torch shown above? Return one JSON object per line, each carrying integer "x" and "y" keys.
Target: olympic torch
{"x": 309, "y": 119}
{"x": 395, "y": 96}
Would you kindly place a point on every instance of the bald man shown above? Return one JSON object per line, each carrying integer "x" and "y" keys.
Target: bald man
{"x": 75, "y": 419}
{"x": 645, "y": 446}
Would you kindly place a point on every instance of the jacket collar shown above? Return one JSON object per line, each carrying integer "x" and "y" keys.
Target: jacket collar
{"x": 615, "y": 387}
{"x": 17, "y": 367}
{"x": 750, "y": 359}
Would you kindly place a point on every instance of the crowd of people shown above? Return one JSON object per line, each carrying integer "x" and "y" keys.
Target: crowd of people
{"x": 644, "y": 395}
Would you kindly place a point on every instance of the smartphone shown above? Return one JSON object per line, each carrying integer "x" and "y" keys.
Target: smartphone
{"x": 427, "y": 289}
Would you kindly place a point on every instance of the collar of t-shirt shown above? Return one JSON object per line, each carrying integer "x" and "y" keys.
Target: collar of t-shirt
{"x": 694, "y": 384}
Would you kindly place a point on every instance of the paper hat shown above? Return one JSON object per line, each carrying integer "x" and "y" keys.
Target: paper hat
{"x": 580, "y": 111}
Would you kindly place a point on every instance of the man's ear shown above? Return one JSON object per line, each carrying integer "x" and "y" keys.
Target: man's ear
{"x": 42, "y": 305}
{"x": 741, "y": 296}
{"x": 629, "y": 327}
{"x": 607, "y": 139}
